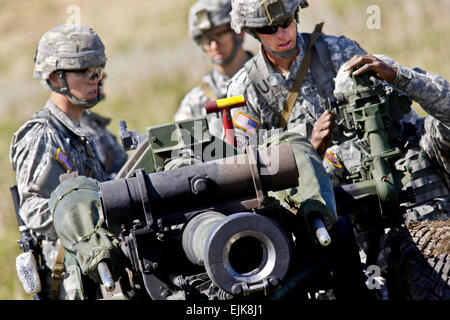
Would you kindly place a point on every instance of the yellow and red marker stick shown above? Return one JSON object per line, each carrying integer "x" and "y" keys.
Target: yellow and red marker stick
{"x": 223, "y": 106}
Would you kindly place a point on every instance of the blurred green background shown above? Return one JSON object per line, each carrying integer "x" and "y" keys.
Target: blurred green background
{"x": 152, "y": 63}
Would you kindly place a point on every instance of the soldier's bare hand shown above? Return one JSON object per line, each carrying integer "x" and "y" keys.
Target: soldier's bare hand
{"x": 322, "y": 132}
{"x": 369, "y": 62}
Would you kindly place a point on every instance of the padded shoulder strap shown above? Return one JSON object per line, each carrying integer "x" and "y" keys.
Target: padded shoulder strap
{"x": 321, "y": 66}
{"x": 301, "y": 75}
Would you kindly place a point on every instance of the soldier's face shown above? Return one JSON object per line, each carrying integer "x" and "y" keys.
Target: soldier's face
{"x": 284, "y": 39}
{"x": 83, "y": 85}
{"x": 218, "y": 43}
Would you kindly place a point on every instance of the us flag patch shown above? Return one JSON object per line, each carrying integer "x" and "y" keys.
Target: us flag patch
{"x": 246, "y": 123}
{"x": 64, "y": 160}
{"x": 332, "y": 159}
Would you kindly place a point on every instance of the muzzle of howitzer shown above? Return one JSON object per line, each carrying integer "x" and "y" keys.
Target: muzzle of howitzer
{"x": 242, "y": 253}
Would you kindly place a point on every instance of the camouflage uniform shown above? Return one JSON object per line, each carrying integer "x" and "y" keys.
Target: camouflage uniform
{"x": 109, "y": 151}
{"x": 433, "y": 93}
{"x": 34, "y": 157}
{"x": 52, "y": 144}
{"x": 204, "y": 16}
{"x": 309, "y": 105}
{"x": 423, "y": 87}
{"x": 267, "y": 92}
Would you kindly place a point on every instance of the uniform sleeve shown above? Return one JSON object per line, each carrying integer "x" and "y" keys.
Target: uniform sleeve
{"x": 33, "y": 156}
{"x": 342, "y": 49}
{"x": 430, "y": 90}
{"x": 240, "y": 85}
{"x": 314, "y": 191}
{"x": 436, "y": 143}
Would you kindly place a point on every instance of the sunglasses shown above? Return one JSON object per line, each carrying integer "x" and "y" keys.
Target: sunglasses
{"x": 217, "y": 37}
{"x": 274, "y": 29}
{"x": 89, "y": 74}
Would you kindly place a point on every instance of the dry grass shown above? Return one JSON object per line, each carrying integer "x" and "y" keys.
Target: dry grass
{"x": 152, "y": 63}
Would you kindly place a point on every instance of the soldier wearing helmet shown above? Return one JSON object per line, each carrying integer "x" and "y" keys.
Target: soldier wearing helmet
{"x": 269, "y": 77}
{"x": 209, "y": 27}
{"x": 53, "y": 143}
{"x": 53, "y": 68}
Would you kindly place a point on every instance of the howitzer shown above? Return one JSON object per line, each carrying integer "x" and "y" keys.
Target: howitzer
{"x": 214, "y": 217}
{"x": 192, "y": 218}
{"x": 371, "y": 115}
{"x": 206, "y": 230}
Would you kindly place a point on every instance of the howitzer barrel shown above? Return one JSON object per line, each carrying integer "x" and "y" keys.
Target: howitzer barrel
{"x": 199, "y": 185}
{"x": 240, "y": 252}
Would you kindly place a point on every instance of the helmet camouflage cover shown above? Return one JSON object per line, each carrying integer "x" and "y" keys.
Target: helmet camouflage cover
{"x": 68, "y": 47}
{"x": 205, "y": 15}
{"x": 261, "y": 13}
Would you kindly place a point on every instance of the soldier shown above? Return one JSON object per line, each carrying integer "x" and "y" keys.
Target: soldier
{"x": 209, "y": 27}
{"x": 288, "y": 83}
{"x": 69, "y": 60}
{"x": 268, "y": 78}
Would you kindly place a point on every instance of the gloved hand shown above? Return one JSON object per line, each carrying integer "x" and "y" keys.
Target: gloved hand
{"x": 78, "y": 220}
{"x": 314, "y": 192}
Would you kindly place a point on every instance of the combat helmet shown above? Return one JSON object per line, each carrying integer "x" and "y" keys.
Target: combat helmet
{"x": 206, "y": 15}
{"x": 260, "y": 13}
{"x": 69, "y": 47}
{"x": 248, "y": 14}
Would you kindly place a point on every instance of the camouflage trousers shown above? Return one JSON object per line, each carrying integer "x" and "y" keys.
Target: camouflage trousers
{"x": 71, "y": 287}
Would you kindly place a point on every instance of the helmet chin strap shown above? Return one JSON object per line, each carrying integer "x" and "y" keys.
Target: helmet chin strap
{"x": 64, "y": 90}
{"x": 285, "y": 54}
{"x": 237, "y": 43}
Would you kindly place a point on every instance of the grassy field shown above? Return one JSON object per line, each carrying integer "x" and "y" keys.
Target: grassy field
{"x": 152, "y": 63}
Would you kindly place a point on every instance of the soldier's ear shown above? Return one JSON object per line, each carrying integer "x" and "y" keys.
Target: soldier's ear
{"x": 55, "y": 81}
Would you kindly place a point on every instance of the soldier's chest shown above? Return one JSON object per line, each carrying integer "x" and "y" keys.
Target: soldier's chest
{"x": 307, "y": 108}
{"x": 81, "y": 153}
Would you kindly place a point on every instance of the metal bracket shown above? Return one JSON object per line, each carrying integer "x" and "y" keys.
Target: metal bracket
{"x": 253, "y": 162}
{"x": 141, "y": 175}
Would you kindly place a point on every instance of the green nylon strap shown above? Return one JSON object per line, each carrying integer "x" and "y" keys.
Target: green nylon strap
{"x": 57, "y": 274}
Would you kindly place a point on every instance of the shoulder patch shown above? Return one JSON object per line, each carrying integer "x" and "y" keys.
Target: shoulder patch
{"x": 246, "y": 123}
{"x": 64, "y": 160}
{"x": 332, "y": 159}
